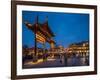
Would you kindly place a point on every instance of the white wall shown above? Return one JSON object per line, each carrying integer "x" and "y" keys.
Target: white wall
{"x": 5, "y": 37}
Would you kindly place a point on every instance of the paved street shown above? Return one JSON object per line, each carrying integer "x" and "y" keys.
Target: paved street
{"x": 41, "y": 64}
{"x": 77, "y": 61}
{"x": 72, "y": 61}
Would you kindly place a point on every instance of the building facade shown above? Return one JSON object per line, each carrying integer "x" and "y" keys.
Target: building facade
{"x": 79, "y": 49}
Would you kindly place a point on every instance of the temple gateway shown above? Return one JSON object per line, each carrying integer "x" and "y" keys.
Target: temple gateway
{"x": 42, "y": 34}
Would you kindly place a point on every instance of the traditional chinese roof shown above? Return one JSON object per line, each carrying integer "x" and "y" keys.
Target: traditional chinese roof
{"x": 46, "y": 27}
{"x": 42, "y": 28}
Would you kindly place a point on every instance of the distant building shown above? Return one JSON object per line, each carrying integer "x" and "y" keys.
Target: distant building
{"x": 31, "y": 51}
{"x": 81, "y": 48}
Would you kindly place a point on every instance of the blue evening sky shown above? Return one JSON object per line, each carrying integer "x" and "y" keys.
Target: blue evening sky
{"x": 67, "y": 27}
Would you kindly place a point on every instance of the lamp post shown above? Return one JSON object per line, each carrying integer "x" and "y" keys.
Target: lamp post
{"x": 35, "y": 42}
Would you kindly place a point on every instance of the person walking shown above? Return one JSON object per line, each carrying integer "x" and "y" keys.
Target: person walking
{"x": 65, "y": 59}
